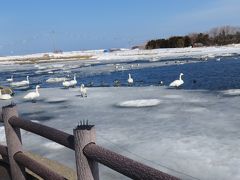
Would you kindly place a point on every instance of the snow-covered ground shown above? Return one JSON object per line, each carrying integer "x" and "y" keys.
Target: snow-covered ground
{"x": 193, "y": 132}
{"x": 126, "y": 54}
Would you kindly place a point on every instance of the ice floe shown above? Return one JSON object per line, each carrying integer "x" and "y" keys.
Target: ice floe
{"x": 139, "y": 103}
{"x": 232, "y": 92}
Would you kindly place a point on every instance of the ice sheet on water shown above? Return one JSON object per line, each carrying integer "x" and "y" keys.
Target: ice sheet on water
{"x": 55, "y": 100}
{"x": 173, "y": 96}
{"x": 232, "y": 92}
{"x": 49, "y": 66}
{"x": 196, "y": 109}
{"x": 55, "y": 80}
{"x": 139, "y": 103}
{"x": 196, "y": 132}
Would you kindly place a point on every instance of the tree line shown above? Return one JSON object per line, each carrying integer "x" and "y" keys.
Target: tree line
{"x": 215, "y": 37}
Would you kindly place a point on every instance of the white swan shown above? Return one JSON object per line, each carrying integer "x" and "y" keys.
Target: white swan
{"x": 83, "y": 91}
{"x": 26, "y": 81}
{"x": 5, "y": 96}
{"x": 130, "y": 79}
{"x": 21, "y": 83}
{"x": 177, "y": 83}
{"x": 66, "y": 84}
{"x": 32, "y": 95}
{"x": 71, "y": 83}
{"x": 74, "y": 81}
{"x": 10, "y": 79}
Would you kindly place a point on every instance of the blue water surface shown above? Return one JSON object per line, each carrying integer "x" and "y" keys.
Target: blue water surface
{"x": 209, "y": 75}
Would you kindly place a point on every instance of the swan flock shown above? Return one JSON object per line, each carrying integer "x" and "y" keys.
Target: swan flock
{"x": 69, "y": 83}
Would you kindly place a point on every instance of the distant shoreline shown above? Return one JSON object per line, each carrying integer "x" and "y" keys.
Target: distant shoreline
{"x": 124, "y": 54}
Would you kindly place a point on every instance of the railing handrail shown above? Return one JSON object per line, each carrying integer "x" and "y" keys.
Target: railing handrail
{"x": 124, "y": 165}
{"x": 36, "y": 167}
{"x": 50, "y": 133}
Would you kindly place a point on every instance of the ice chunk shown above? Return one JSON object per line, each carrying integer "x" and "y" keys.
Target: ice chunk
{"x": 55, "y": 80}
{"x": 232, "y": 92}
{"x": 139, "y": 103}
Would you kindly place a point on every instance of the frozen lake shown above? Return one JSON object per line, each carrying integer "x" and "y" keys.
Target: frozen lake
{"x": 193, "y": 130}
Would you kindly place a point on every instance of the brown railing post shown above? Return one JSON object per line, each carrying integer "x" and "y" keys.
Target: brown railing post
{"x": 1, "y": 119}
{"x": 87, "y": 169}
{"x": 14, "y": 142}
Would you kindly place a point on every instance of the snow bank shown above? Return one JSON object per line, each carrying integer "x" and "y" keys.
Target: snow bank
{"x": 129, "y": 55}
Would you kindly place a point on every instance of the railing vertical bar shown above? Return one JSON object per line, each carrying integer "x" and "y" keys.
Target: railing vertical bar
{"x": 14, "y": 142}
{"x": 86, "y": 168}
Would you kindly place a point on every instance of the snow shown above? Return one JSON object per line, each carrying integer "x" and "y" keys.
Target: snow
{"x": 195, "y": 132}
{"x": 128, "y": 54}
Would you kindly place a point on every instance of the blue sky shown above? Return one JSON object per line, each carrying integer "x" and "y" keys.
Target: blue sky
{"x": 40, "y": 26}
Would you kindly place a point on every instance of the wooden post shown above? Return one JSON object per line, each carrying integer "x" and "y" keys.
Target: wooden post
{"x": 86, "y": 169}
{"x": 1, "y": 119}
{"x": 14, "y": 143}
